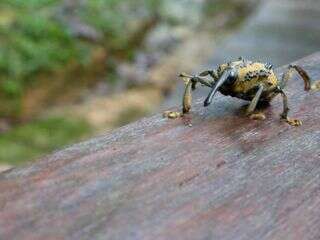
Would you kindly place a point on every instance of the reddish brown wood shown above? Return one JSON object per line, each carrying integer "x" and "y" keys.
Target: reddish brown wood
{"x": 226, "y": 177}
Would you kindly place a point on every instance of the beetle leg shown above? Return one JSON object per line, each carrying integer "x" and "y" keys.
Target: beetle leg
{"x": 255, "y": 100}
{"x": 186, "y": 101}
{"x": 195, "y": 79}
{"x": 212, "y": 73}
{"x": 284, "y": 114}
{"x": 187, "y": 97}
{"x": 305, "y": 76}
{"x": 190, "y": 82}
{"x": 253, "y": 105}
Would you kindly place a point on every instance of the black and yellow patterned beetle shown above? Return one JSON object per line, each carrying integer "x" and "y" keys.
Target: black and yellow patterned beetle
{"x": 252, "y": 81}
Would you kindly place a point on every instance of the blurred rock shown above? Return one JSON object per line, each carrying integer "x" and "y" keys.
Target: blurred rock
{"x": 83, "y": 31}
{"x": 186, "y": 12}
{"x": 5, "y": 167}
{"x": 78, "y": 28}
{"x": 136, "y": 74}
{"x": 164, "y": 38}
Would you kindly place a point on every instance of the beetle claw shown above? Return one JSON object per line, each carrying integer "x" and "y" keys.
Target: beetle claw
{"x": 257, "y": 116}
{"x": 172, "y": 114}
{"x": 293, "y": 122}
{"x": 316, "y": 86}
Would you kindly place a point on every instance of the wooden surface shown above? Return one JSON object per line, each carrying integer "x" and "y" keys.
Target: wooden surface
{"x": 226, "y": 177}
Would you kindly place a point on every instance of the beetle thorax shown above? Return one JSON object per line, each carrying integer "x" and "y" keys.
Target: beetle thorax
{"x": 250, "y": 75}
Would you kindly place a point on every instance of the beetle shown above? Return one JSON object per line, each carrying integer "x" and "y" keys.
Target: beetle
{"x": 251, "y": 81}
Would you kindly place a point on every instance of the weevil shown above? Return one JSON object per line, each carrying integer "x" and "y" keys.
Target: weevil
{"x": 251, "y": 81}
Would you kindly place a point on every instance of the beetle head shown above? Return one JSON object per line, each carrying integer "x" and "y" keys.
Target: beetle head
{"x": 228, "y": 77}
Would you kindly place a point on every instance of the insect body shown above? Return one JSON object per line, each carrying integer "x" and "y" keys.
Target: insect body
{"x": 252, "y": 81}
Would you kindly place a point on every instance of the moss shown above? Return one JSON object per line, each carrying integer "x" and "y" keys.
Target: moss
{"x": 27, "y": 142}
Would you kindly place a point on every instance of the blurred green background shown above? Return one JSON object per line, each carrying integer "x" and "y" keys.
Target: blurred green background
{"x": 71, "y": 69}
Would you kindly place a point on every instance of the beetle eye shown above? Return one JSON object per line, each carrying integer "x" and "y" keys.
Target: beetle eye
{"x": 231, "y": 78}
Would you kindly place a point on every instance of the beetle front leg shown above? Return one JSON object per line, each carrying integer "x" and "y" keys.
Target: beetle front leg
{"x": 191, "y": 82}
{"x": 253, "y": 104}
{"x": 186, "y": 101}
{"x": 284, "y": 114}
{"x": 187, "y": 97}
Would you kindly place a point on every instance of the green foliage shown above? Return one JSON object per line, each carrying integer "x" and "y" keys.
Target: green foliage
{"x": 30, "y": 41}
{"x": 35, "y": 36}
{"x": 29, "y": 141}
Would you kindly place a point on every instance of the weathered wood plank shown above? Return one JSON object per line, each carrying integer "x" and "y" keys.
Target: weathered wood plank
{"x": 224, "y": 178}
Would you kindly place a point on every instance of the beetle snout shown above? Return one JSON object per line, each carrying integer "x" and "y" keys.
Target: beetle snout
{"x": 207, "y": 102}
{"x": 228, "y": 77}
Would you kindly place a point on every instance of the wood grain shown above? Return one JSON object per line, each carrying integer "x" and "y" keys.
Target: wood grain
{"x": 226, "y": 177}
